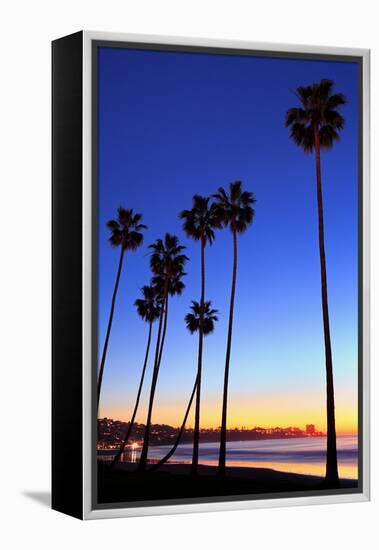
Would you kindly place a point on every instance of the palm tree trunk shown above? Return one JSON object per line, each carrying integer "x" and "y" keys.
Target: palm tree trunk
{"x": 101, "y": 371}
{"x": 158, "y": 357}
{"x": 331, "y": 452}
{"x": 196, "y": 433}
{"x": 131, "y": 423}
{"x": 222, "y": 455}
{"x": 163, "y": 334}
{"x": 179, "y": 436}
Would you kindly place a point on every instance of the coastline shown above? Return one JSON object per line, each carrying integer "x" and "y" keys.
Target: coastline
{"x": 245, "y": 472}
{"x": 304, "y": 456}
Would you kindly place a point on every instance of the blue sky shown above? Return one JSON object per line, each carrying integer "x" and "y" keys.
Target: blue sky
{"x": 174, "y": 124}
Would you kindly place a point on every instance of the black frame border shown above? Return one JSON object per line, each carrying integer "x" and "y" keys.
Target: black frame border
{"x": 67, "y": 271}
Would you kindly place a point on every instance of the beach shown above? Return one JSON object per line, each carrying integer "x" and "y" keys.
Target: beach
{"x": 173, "y": 481}
{"x": 253, "y": 468}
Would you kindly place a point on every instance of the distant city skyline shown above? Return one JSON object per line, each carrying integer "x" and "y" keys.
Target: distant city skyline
{"x": 175, "y": 124}
{"x": 308, "y": 428}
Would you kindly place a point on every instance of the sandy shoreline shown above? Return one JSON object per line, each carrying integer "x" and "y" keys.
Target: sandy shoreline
{"x": 247, "y": 473}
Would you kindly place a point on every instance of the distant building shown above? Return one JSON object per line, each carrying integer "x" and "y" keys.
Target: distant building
{"x": 310, "y": 429}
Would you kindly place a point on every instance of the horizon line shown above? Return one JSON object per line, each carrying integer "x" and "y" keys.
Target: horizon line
{"x": 239, "y": 428}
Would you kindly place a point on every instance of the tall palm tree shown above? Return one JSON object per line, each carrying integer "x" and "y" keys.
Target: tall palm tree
{"x": 315, "y": 125}
{"x": 234, "y": 210}
{"x": 166, "y": 262}
{"x": 126, "y": 235}
{"x": 149, "y": 309}
{"x": 199, "y": 224}
{"x": 194, "y": 321}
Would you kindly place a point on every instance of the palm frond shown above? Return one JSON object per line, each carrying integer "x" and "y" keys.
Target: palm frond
{"x": 140, "y": 226}
{"x": 112, "y": 225}
{"x": 133, "y": 240}
{"x": 336, "y": 100}
{"x": 328, "y": 136}
{"x": 334, "y": 119}
{"x": 115, "y": 239}
{"x": 192, "y": 323}
{"x": 124, "y": 216}
{"x": 235, "y": 190}
{"x": 295, "y": 114}
{"x": 303, "y": 136}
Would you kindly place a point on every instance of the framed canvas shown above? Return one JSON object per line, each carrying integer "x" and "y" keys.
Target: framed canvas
{"x": 210, "y": 275}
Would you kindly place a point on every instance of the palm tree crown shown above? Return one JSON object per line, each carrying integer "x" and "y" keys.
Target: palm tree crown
{"x": 149, "y": 307}
{"x": 234, "y": 208}
{"x": 208, "y": 315}
{"x": 167, "y": 259}
{"x": 318, "y": 110}
{"x": 175, "y": 286}
{"x": 126, "y": 230}
{"x": 201, "y": 220}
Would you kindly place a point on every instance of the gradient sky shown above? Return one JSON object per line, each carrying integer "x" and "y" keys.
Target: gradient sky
{"x": 174, "y": 124}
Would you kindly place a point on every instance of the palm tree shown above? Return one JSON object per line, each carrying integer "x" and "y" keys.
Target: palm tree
{"x": 234, "y": 210}
{"x": 125, "y": 234}
{"x": 149, "y": 309}
{"x": 201, "y": 318}
{"x": 199, "y": 224}
{"x": 166, "y": 262}
{"x": 315, "y": 125}
{"x": 194, "y": 321}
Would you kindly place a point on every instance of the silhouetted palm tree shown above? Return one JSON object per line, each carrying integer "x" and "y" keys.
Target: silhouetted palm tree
{"x": 234, "y": 210}
{"x": 201, "y": 318}
{"x": 315, "y": 125}
{"x": 149, "y": 309}
{"x": 193, "y": 320}
{"x": 125, "y": 234}
{"x": 199, "y": 224}
{"x": 166, "y": 262}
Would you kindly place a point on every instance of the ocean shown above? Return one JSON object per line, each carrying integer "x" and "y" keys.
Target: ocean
{"x": 304, "y": 455}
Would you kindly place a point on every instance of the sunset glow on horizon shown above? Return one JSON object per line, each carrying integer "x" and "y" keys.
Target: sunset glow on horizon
{"x": 346, "y": 420}
{"x": 248, "y": 413}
